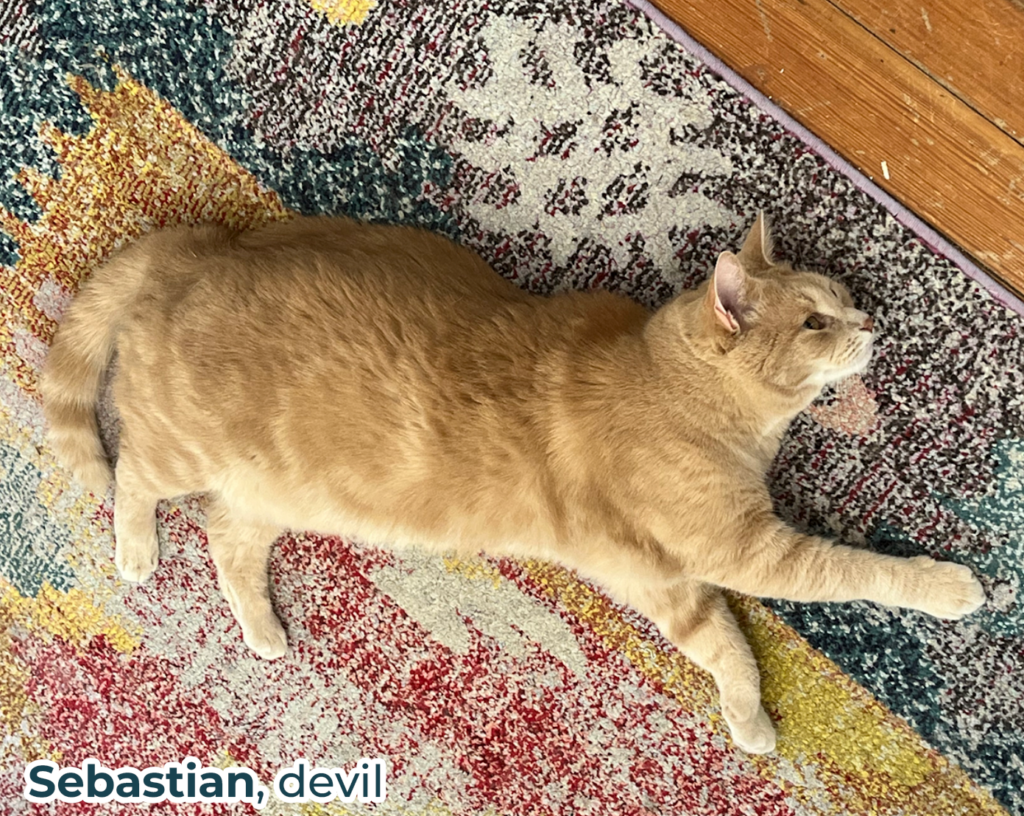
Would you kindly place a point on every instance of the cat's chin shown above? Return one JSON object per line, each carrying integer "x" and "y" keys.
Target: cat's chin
{"x": 831, "y": 377}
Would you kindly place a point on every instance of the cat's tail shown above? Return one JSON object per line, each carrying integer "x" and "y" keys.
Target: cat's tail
{"x": 79, "y": 355}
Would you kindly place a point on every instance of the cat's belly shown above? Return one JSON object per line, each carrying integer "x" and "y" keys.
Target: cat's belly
{"x": 312, "y": 503}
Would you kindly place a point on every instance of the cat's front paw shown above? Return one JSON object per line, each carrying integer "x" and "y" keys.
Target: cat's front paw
{"x": 268, "y": 639}
{"x": 756, "y": 735}
{"x": 946, "y": 590}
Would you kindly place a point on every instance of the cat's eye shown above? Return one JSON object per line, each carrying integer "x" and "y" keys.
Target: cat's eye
{"x": 814, "y": 322}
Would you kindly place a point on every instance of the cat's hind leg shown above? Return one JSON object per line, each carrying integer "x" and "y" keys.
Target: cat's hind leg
{"x": 136, "y": 549}
{"x": 240, "y": 549}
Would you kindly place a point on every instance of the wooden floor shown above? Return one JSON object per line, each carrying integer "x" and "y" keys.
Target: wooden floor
{"x": 932, "y": 88}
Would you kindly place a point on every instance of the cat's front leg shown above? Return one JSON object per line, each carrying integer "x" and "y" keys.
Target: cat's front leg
{"x": 698, "y": 622}
{"x": 772, "y": 560}
{"x": 704, "y": 629}
{"x": 241, "y": 551}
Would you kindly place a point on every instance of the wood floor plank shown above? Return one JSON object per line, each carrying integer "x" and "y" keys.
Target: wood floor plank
{"x": 946, "y": 162}
{"x": 976, "y": 49}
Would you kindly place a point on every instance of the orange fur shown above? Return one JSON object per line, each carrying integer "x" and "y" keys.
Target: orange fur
{"x": 382, "y": 382}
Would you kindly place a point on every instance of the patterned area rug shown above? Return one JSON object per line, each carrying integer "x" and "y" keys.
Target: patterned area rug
{"x": 573, "y": 144}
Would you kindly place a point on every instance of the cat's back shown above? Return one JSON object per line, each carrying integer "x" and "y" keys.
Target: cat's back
{"x": 297, "y": 289}
{"x": 326, "y": 260}
{"x": 382, "y": 319}
{"x": 374, "y": 259}
{"x": 391, "y": 363}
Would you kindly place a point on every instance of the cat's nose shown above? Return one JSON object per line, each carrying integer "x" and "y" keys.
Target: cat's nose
{"x": 868, "y": 324}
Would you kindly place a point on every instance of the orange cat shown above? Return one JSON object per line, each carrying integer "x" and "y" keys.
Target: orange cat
{"x": 383, "y": 383}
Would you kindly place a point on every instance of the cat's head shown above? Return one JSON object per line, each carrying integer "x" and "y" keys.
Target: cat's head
{"x": 787, "y": 328}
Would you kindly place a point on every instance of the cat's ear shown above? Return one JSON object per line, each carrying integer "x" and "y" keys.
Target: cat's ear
{"x": 757, "y": 246}
{"x": 727, "y": 295}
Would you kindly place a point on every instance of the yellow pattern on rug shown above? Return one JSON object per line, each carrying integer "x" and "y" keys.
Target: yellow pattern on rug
{"x": 344, "y": 12}
{"x": 824, "y": 718}
{"x": 141, "y": 165}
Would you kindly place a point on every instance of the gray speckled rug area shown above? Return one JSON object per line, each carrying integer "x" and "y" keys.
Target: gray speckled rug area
{"x": 572, "y": 144}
